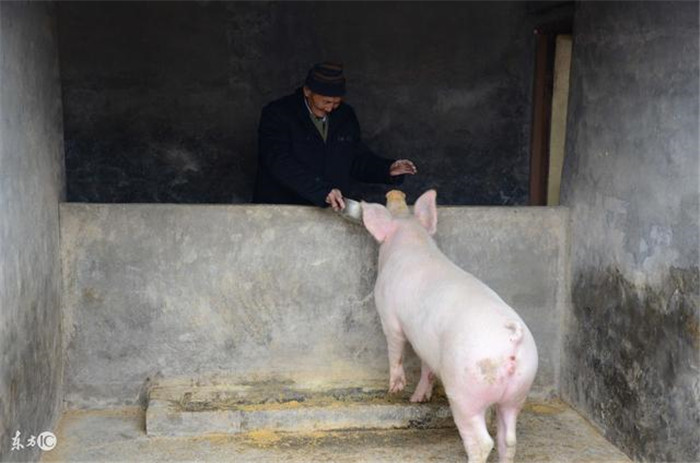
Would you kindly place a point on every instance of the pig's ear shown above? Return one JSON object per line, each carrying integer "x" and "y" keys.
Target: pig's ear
{"x": 377, "y": 220}
{"x": 425, "y": 211}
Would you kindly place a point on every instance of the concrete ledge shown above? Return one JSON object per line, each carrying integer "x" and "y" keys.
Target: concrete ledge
{"x": 174, "y": 411}
{"x": 256, "y": 292}
{"x": 165, "y": 420}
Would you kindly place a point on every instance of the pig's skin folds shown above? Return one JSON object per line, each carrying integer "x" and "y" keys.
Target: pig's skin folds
{"x": 462, "y": 330}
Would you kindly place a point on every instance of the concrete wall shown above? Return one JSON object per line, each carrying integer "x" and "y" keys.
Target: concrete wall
{"x": 162, "y": 99}
{"x": 253, "y": 292}
{"x": 31, "y": 186}
{"x": 632, "y": 342}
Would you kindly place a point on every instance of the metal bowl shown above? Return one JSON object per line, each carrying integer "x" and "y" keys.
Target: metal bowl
{"x": 352, "y": 210}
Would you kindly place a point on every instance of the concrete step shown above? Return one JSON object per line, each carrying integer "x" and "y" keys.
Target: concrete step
{"x": 175, "y": 410}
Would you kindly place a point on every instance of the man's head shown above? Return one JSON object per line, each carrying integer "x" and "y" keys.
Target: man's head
{"x": 324, "y": 88}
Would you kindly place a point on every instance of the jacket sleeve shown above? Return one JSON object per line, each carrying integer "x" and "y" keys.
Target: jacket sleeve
{"x": 367, "y": 166}
{"x": 275, "y": 150}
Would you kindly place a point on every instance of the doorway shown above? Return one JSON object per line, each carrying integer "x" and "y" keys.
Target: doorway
{"x": 550, "y": 105}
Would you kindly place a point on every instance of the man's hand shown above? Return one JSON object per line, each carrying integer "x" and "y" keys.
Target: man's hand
{"x": 335, "y": 199}
{"x": 401, "y": 167}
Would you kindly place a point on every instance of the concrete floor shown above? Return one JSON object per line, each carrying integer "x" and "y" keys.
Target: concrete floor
{"x": 549, "y": 431}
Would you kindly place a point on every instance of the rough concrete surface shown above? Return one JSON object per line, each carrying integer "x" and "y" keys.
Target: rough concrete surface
{"x": 260, "y": 292}
{"x": 175, "y": 410}
{"x": 632, "y": 341}
{"x": 31, "y": 186}
{"x": 547, "y": 432}
{"x": 162, "y": 99}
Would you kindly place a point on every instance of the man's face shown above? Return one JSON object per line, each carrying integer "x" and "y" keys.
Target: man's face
{"x": 321, "y": 105}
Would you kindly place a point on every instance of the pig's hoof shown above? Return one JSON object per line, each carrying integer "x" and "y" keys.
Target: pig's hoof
{"x": 420, "y": 397}
{"x": 397, "y": 384}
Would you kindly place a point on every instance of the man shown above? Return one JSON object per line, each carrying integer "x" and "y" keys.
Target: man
{"x": 310, "y": 149}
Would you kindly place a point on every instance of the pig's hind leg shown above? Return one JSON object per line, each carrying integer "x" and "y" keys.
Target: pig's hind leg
{"x": 471, "y": 424}
{"x": 507, "y": 418}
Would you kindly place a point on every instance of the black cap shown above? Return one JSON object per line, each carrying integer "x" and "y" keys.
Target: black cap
{"x": 326, "y": 79}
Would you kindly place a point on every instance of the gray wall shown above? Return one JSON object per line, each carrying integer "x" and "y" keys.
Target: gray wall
{"x": 162, "y": 99}
{"x": 632, "y": 342}
{"x": 31, "y": 186}
{"x": 252, "y": 292}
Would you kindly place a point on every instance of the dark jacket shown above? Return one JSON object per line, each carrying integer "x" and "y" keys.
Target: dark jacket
{"x": 295, "y": 166}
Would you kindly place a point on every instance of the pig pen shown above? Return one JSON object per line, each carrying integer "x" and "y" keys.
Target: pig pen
{"x": 249, "y": 333}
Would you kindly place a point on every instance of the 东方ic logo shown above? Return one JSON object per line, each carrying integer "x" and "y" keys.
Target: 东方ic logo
{"x": 46, "y": 441}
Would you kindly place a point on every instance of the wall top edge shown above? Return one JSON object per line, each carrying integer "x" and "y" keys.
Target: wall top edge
{"x": 71, "y": 205}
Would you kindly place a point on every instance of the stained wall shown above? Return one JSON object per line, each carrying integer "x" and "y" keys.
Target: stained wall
{"x": 31, "y": 186}
{"x": 632, "y": 340}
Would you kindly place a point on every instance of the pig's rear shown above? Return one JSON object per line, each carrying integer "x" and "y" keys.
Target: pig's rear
{"x": 470, "y": 337}
{"x": 488, "y": 363}
{"x": 496, "y": 367}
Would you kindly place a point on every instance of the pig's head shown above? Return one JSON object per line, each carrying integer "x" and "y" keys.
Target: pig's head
{"x": 382, "y": 222}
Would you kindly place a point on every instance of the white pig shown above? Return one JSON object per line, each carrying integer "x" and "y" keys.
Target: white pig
{"x": 463, "y": 332}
